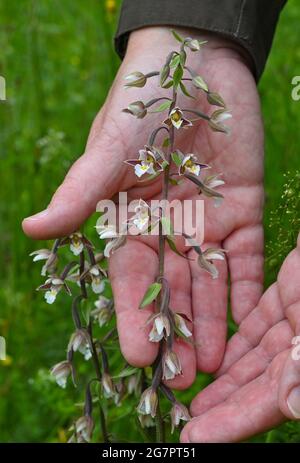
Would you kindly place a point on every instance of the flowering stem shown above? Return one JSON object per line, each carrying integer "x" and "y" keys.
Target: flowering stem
{"x": 165, "y": 191}
{"x": 93, "y": 347}
{"x": 99, "y": 377}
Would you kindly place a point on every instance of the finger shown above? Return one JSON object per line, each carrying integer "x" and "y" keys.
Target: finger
{"x": 279, "y": 300}
{"x": 245, "y": 261}
{"x": 289, "y": 386}
{"x": 252, "y": 329}
{"x": 130, "y": 282}
{"x": 132, "y": 269}
{"x": 248, "y": 411}
{"x": 96, "y": 175}
{"x": 289, "y": 289}
{"x": 209, "y": 313}
{"x": 249, "y": 367}
{"x": 288, "y": 282}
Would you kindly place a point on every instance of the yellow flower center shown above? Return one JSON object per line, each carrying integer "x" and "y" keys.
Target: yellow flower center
{"x": 176, "y": 116}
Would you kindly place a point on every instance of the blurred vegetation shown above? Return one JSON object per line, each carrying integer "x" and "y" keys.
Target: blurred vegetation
{"x": 58, "y": 61}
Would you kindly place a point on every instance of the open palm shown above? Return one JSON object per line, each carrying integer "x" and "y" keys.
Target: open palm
{"x": 235, "y": 226}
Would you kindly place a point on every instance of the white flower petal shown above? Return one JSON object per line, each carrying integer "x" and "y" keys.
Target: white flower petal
{"x": 50, "y": 296}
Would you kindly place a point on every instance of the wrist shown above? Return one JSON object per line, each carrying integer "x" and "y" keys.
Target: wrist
{"x": 160, "y": 39}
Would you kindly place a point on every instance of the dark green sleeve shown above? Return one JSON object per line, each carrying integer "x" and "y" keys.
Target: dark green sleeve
{"x": 250, "y": 23}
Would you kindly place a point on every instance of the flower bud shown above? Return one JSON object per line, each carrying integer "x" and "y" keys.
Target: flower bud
{"x": 108, "y": 386}
{"x": 137, "y": 109}
{"x": 171, "y": 365}
{"x": 135, "y": 79}
{"x": 215, "y": 99}
{"x": 181, "y": 325}
{"x": 193, "y": 45}
{"x": 148, "y": 403}
{"x": 61, "y": 372}
{"x": 179, "y": 412}
{"x": 217, "y": 119}
{"x": 200, "y": 83}
{"x": 84, "y": 427}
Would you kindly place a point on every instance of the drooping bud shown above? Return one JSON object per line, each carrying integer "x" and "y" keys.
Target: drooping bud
{"x": 61, "y": 372}
{"x": 108, "y": 386}
{"x": 84, "y": 427}
{"x": 135, "y": 79}
{"x": 217, "y": 119}
{"x": 181, "y": 325}
{"x": 137, "y": 109}
{"x": 148, "y": 402}
{"x": 179, "y": 413}
{"x": 171, "y": 365}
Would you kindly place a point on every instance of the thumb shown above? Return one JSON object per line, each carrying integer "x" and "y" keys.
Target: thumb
{"x": 97, "y": 174}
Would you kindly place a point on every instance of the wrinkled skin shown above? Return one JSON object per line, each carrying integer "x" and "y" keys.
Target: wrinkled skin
{"x": 236, "y": 226}
{"x": 258, "y": 383}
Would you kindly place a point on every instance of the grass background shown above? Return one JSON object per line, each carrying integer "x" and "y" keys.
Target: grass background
{"x": 58, "y": 61}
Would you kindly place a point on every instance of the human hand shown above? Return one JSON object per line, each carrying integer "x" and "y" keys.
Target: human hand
{"x": 258, "y": 384}
{"x": 236, "y": 226}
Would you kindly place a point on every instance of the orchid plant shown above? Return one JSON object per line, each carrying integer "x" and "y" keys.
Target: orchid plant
{"x": 87, "y": 270}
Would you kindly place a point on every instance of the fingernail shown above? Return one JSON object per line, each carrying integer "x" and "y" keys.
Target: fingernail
{"x": 293, "y": 401}
{"x": 38, "y": 216}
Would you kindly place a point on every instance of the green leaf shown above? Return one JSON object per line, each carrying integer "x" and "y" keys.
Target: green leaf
{"x": 151, "y": 294}
{"x": 174, "y": 182}
{"x": 177, "y": 36}
{"x": 168, "y": 84}
{"x": 126, "y": 372}
{"x": 182, "y": 58}
{"x": 164, "y": 165}
{"x": 177, "y": 76}
{"x": 173, "y": 247}
{"x": 200, "y": 83}
{"x": 175, "y": 61}
{"x": 164, "y": 74}
{"x": 166, "y": 142}
{"x": 185, "y": 90}
{"x": 162, "y": 107}
{"x": 167, "y": 226}
{"x": 176, "y": 158}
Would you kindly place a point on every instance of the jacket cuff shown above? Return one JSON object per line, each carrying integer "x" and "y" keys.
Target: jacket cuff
{"x": 250, "y": 23}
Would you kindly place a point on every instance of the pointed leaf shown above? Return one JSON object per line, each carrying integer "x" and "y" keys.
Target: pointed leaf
{"x": 200, "y": 83}
{"x": 175, "y": 61}
{"x": 173, "y": 247}
{"x": 166, "y": 142}
{"x": 126, "y": 372}
{"x": 176, "y": 158}
{"x": 185, "y": 90}
{"x": 162, "y": 107}
{"x": 177, "y": 76}
{"x": 168, "y": 84}
{"x": 167, "y": 226}
{"x": 151, "y": 294}
{"x": 177, "y": 36}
